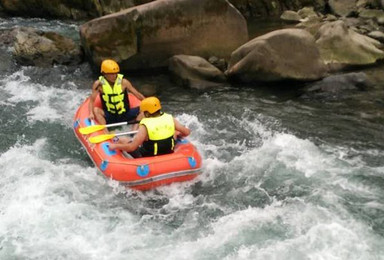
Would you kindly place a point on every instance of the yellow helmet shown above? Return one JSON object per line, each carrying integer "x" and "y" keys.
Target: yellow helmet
{"x": 109, "y": 66}
{"x": 150, "y": 104}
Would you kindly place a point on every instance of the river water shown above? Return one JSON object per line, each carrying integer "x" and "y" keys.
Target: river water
{"x": 283, "y": 177}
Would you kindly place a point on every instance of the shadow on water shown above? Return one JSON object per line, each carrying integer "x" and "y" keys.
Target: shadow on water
{"x": 278, "y": 91}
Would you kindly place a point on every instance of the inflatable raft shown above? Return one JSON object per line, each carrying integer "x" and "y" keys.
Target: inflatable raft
{"x": 145, "y": 173}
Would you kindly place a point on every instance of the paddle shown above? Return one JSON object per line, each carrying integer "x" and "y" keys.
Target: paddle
{"x": 94, "y": 128}
{"x": 101, "y": 138}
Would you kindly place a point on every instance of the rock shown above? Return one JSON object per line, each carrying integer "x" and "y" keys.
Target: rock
{"x": 148, "y": 90}
{"x": 340, "y": 45}
{"x": 337, "y": 83}
{"x": 79, "y": 9}
{"x": 195, "y": 72}
{"x": 352, "y": 22}
{"x": 342, "y": 7}
{"x": 85, "y": 9}
{"x": 378, "y": 35}
{"x": 337, "y": 86}
{"x": 373, "y": 4}
{"x": 221, "y": 64}
{"x": 310, "y": 23}
{"x": 274, "y": 8}
{"x": 377, "y": 15}
{"x": 7, "y": 64}
{"x": 44, "y": 49}
{"x": 288, "y": 54}
{"x": 7, "y": 37}
{"x": 330, "y": 18}
{"x": 307, "y": 12}
{"x": 290, "y": 16}
{"x": 146, "y": 36}
{"x": 47, "y": 8}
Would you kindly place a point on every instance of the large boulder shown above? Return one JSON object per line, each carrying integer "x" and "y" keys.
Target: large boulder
{"x": 342, "y": 7}
{"x": 74, "y": 9}
{"x": 51, "y": 8}
{"x": 195, "y": 72}
{"x": 83, "y": 9}
{"x": 288, "y": 54}
{"x": 146, "y": 36}
{"x": 342, "y": 46}
{"x": 44, "y": 49}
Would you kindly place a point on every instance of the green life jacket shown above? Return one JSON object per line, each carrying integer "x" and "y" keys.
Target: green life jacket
{"x": 114, "y": 99}
{"x": 160, "y": 134}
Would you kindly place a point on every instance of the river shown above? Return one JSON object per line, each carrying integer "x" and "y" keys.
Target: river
{"x": 283, "y": 177}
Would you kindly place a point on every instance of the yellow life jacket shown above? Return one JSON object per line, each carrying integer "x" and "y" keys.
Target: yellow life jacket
{"x": 160, "y": 134}
{"x": 114, "y": 99}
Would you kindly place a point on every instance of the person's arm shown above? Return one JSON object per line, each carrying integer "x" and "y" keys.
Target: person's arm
{"x": 133, "y": 144}
{"x": 95, "y": 92}
{"x": 131, "y": 89}
{"x": 181, "y": 129}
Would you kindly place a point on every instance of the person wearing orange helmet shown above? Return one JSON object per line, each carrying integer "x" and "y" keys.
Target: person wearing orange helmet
{"x": 113, "y": 90}
{"x": 156, "y": 134}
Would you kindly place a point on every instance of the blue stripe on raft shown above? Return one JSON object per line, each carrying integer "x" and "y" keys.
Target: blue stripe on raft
{"x": 87, "y": 122}
{"x": 104, "y": 165}
{"x": 142, "y": 170}
{"x": 182, "y": 141}
{"x": 192, "y": 162}
{"x": 76, "y": 124}
{"x": 106, "y": 149}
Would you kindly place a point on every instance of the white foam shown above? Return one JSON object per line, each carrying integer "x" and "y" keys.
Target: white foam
{"x": 44, "y": 205}
{"x": 293, "y": 230}
{"x": 44, "y": 103}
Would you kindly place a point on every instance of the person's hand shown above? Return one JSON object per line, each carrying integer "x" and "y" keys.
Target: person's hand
{"x": 112, "y": 146}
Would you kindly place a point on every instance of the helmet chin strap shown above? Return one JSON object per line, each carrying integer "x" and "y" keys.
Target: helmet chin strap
{"x": 157, "y": 113}
{"x": 147, "y": 114}
{"x": 107, "y": 78}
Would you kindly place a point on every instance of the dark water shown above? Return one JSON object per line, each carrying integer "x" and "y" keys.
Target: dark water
{"x": 283, "y": 178}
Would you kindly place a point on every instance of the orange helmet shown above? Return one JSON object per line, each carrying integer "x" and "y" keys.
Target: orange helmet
{"x": 109, "y": 66}
{"x": 150, "y": 104}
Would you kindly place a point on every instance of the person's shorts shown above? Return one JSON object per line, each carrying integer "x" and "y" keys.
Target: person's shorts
{"x": 125, "y": 117}
{"x": 142, "y": 152}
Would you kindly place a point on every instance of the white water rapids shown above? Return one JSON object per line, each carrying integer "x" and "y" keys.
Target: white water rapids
{"x": 268, "y": 190}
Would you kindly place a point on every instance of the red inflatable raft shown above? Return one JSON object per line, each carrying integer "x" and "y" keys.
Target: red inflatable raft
{"x": 141, "y": 173}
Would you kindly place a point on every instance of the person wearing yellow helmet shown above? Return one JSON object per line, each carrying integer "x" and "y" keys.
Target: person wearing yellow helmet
{"x": 113, "y": 89}
{"x": 156, "y": 134}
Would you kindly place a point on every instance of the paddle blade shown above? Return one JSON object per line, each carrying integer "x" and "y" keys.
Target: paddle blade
{"x": 91, "y": 129}
{"x": 101, "y": 138}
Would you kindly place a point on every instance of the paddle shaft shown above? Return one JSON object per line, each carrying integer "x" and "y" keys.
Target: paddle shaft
{"x": 126, "y": 133}
{"x": 94, "y": 128}
{"x": 121, "y": 123}
{"x": 101, "y": 138}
